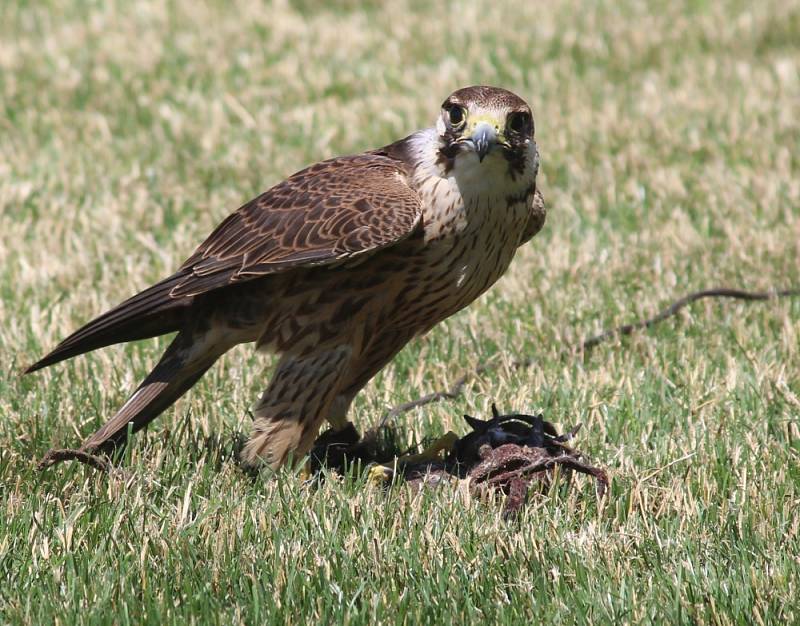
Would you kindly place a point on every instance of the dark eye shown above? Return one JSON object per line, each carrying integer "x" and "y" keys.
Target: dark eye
{"x": 456, "y": 115}
{"x": 519, "y": 122}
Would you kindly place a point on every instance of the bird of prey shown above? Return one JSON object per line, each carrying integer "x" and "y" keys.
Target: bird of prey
{"x": 335, "y": 269}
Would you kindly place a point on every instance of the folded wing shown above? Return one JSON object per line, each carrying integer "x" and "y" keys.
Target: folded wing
{"x": 326, "y": 213}
{"x": 329, "y": 212}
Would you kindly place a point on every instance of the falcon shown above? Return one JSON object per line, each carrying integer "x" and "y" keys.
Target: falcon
{"x": 335, "y": 269}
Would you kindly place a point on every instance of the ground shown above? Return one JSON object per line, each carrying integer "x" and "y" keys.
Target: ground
{"x": 669, "y": 136}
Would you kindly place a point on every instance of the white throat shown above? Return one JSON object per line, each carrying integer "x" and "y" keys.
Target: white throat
{"x": 469, "y": 192}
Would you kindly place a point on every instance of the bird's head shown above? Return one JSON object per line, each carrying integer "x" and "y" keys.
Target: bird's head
{"x": 490, "y": 127}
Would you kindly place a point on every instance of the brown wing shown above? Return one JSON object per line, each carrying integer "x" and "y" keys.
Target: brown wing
{"x": 328, "y": 212}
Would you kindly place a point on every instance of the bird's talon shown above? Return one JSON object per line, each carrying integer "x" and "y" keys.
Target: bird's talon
{"x": 306, "y": 473}
{"x": 380, "y": 475}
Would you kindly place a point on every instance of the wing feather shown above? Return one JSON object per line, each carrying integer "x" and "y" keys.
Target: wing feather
{"x": 323, "y": 214}
{"x": 537, "y": 212}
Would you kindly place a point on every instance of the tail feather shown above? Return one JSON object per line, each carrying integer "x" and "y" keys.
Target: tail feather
{"x": 181, "y": 366}
{"x": 149, "y": 313}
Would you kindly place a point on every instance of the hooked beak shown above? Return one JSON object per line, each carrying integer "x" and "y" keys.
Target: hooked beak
{"x": 484, "y": 138}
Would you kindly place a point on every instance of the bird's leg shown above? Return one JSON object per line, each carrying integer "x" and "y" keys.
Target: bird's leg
{"x": 294, "y": 405}
{"x": 342, "y": 430}
{"x": 331, "y": 448}
{"x": 368, "y": 362}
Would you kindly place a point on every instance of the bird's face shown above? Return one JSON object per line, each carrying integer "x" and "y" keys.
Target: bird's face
{"x": 487, "y": 126}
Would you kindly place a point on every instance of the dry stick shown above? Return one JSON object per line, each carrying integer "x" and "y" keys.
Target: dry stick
{"x": 587, "y": 344}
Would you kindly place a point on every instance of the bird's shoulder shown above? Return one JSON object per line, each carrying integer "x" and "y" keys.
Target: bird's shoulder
{"x": 537, "y": 213}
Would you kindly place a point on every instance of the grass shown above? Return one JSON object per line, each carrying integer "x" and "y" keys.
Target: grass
{"x": 669, "y": 134}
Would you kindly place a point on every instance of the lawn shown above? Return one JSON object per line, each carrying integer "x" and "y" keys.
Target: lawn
{"x": 670, "y": 143}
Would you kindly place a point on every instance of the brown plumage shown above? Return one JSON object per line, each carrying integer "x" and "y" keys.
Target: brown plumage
{"x": 336, "y": 269}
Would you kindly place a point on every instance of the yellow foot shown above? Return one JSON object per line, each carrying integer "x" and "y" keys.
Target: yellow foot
{"x": 379, "y": 475}
{"x": 306, "y": 472}
{"x": 444, "y": 443}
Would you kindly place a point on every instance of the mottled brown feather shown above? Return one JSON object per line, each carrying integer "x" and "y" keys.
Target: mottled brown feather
{"x": 325, "y": 213}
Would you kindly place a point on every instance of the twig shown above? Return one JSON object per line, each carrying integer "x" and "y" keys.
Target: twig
{"x": 449, "y": 394}
{"x": 672, "y": 309}
{"x": 588, "y": 344}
